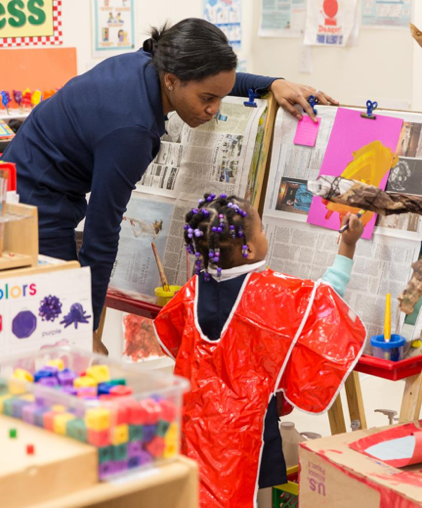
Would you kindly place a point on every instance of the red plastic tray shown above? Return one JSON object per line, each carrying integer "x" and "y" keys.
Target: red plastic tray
{"x": 389, "y": 370}
{"x": 125, "y": 304}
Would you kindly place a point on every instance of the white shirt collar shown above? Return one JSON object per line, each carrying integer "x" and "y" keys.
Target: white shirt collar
{"x": 236, "y": 271}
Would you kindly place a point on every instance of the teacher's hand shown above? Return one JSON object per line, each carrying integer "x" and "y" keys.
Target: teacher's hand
{"x": 287, "y": 94}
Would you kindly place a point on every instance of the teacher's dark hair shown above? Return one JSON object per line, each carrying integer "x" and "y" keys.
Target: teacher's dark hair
{"x": 193, "y": 49}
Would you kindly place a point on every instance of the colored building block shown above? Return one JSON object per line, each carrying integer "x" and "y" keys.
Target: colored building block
{"x": 119, "y": 434}
{"x": 4, "y": 387}
{"x": 17, "y": 386}
{"x": 58, "y": 408}
{"x": 30, "y": 397}
{"x": 66, "y": 377}
{"x": 173, "y": 431}
{"x": 17, "y": 407}
{"x": 48, "y": 420}
{"x": 168, "y": 410}
{"x": 50, "y": 382}
{"x": 136, "y": 432}
{"x": 104, "y": 454}
{"x": 3, "y": 398}
{"x": 162, "y": 428}
{"x": 39, "y": 416}
{"x": 69, "y": 390}
{"x": 24, "y": 375}
{"x": 28, "y": 413}
{"x": 121, "y": 415}
{"x": 87, "y": 392}
{"x": 104, "y": 388}
{"x": 45, "y": 372}
{"x": 119, "y": 466}
{"x": 60, "y": 422}
{"x": 105, "y": 470}
{"x": 151, "y": 411}
{"x": 134, "y": 449}
{"x": 76, "y": 429}
{"x": 119, "y": 452}
{"x": 98, "y": 419}
{"x": 100, "y": 373}
{"x": 99, "y": 438}
{"x": 8, "y": 406}
{"x": 139, "y": 413}
{"x": 145, "y": 458}
{"x": 118, "y": 381}
{"x": 133, "y": 462}
{"x": 58, "y": 364}
{"x": 121, "y": 391}
{"x": 170, "y": 450}
{"x": 150, "y": 432}
{"x": 156, "y": 447}
{"x": 30, "y": 449}
{"x": 13, "y": 433}
{"x": 84, "y": 381}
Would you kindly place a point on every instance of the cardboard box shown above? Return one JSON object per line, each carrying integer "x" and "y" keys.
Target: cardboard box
{"x": 333, "y": 475}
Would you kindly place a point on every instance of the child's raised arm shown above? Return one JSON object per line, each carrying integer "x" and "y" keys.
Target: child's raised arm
{"x": 350, "y": 236}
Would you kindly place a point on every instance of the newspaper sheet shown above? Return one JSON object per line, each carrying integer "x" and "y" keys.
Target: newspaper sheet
{"x": 381, "y": 265}
{"x": 216, "y": 157}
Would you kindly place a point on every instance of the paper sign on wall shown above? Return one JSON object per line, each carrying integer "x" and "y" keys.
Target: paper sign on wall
{"x": 282, "y": 18}
{"x": 227, "y": 15}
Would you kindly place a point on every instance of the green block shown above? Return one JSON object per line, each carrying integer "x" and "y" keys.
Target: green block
{"x": 76, "y": 429}
{"x": 4, "y": 388}
{"x": 119, "y": 452}
{"x": 162, "y": 428}
{"x": 13, "y": 433}
{"x": 105, "y": 454}
{"x": 116, "y": 382}
{"x": 7, "y": 406}
{"x": 136, "y": 432}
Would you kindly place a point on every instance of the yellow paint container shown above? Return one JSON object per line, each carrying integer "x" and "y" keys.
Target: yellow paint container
{"x": 164, "y": 297}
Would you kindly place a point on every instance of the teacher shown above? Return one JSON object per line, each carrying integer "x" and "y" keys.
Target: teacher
{"x": 100, "y": 132}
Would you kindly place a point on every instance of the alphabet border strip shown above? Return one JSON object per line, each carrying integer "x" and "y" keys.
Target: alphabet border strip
{"x": 53, "y": 40}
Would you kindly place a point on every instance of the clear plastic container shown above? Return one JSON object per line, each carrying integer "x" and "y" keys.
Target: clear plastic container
{"x": 391, "y": 350}
{"x": 136, "y": 425}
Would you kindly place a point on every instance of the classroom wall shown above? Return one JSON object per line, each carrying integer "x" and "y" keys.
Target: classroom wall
{"x": 379, "y": 68}
{"x": 417, "y": 61}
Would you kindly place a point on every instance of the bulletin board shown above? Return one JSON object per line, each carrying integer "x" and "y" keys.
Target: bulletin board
{"x": 31, "y": 68}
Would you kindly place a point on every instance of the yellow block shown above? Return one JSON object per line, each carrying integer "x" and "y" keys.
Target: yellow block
{"x": 58, "y": 408}
{"x": 23, "y": 374}
{"x": 28, "y": 396}
{"x": 170, "y": 450}
{"x": 2, "y": 399}
{"x": 60, "y": 421}
{"x": 17, "y": 386}
{"x": 100, "y": 373}
{"x": 98, "y": 419}
{"x": 85, "y": 381}
{"x": 172, "y": 432}
{"x": 120, "y": 435}
{"x": 59, "y": 364}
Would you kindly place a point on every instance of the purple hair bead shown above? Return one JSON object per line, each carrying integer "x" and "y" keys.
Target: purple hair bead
{"x": 223, "y": 196}
{"x": 214, "y": 228}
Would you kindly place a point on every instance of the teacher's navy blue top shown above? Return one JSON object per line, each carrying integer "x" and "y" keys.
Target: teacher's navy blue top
{"x": 97, "y": 134}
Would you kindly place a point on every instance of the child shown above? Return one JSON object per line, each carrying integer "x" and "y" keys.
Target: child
{"x": 239, "y": 336}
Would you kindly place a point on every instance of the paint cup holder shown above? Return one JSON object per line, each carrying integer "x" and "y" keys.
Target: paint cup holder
{"x": 392, "y": 350}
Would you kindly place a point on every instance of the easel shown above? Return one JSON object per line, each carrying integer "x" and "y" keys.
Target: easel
{"x": 410, "y": 369}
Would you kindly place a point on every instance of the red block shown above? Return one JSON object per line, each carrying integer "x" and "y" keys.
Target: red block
{"x": 156, "y": 447}
{"x": 106, "y": 397}
{"x": 122, "y": 415}
{"x": 99, "y": 438}
{"x": 152, "y": 411}
{"x": 168, "y": 410}
{"x": 30, "y": 449}
{"x": 121, "y": 391}
{"x": 48, "y": 420}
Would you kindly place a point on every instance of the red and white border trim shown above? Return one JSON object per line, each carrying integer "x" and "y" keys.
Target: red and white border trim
{"x": 52, "y": 40}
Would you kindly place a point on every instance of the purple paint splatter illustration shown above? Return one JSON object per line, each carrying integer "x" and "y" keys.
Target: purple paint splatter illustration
{"x": 24, "y": 324}
{"x": 50, "y": 308}
{"x": 75, "y": 316}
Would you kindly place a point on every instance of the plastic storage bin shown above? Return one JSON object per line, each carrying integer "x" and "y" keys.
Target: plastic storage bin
{"x": 131, "y": 416}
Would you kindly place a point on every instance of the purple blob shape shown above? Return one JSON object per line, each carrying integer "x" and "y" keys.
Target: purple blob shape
{"x": 48, "y": 381}
{"x": 134, "y": 449}
{"x": 66, "y": 377}
{"x": 75, "y": 316}
{"x": 145, "y": 458}
{"x": 149, "y": 432}
{"x": 70, "y": 390}
{"x": 28, "y": 413}
{"x": 50, "y": 308}
{"x": 24, "y": 324}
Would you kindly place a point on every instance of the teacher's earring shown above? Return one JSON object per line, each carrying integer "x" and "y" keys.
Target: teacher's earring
{"x": 171, "y": 88}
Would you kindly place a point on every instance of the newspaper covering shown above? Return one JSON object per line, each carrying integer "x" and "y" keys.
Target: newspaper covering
{"x": 216, "y": 157}
{"x": 381, "y": 265}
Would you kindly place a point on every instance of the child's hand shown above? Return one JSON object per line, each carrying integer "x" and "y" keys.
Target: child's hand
{"x": 351, "y": 235}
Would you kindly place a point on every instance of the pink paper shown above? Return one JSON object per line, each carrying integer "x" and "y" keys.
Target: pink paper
{"x": 307, "y": 131}
{"x": 350, "y": 133}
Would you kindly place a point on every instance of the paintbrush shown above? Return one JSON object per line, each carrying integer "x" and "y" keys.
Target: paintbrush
{"x": 163, "y": 277}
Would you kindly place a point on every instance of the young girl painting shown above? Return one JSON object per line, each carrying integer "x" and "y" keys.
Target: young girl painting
{"x": 240, "y": 335}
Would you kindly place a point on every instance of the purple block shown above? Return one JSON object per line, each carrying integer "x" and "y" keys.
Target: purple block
{"x": 66, "y": 377}
{"x": 45, "y": 372}
{"x": 145, "y": 458}
{"x": 133, "y": 462}
{"x": 119, "y": 466}
{"x": 17, "y": 407}
{"x": 134, "y": 449}
{"x": 105, "y": 470}
{"x": 70, "y": 390}
{"x": 48, "y": 381}
{"x": 39, "y": 416}
{"x": 149, "y": 432}
{"x": 28, "y": 413}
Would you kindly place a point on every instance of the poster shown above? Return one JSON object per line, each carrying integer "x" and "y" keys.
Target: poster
{"x": 114, "y": 26}
{"x": 386, "y": 13}
{"x": 331, "y": 22}
{"x": 29, "y": 23}
{"x": 227, "y": 15}
{"x": 358, "y": 149}
{"x": 282, "y": 18}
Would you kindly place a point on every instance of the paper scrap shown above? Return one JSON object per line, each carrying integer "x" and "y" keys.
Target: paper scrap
{"x": 307, "y": 131}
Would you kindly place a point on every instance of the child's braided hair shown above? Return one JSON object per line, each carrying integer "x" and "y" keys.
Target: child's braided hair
{"x": 215, "y": 229}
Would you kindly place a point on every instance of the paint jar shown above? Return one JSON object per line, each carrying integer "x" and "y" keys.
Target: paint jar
{"x": 392, "y": 350}
{"x": 290, "y": 441}
{"x": 164, "y": 297}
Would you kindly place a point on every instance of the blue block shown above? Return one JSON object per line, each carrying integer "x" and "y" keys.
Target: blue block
{"x": 17, "y": 406}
